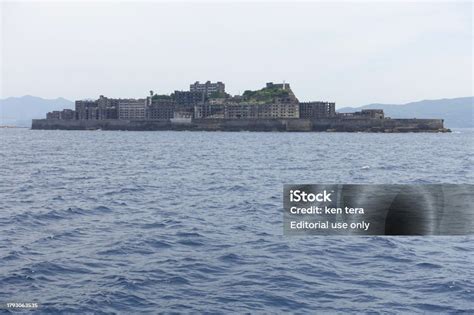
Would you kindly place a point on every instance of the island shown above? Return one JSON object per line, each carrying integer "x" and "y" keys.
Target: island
{"x": 208, "y": 107}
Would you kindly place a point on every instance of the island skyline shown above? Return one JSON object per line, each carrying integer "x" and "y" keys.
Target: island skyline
{"x": 19, "y": 111}
{"x": 208, "y": 107}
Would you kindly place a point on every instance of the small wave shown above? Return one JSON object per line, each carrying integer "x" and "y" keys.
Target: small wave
{"x": 123, "y": 191}
{"x": 17, "y": 278}
{"x": 429, "y": 265}
{"x": 50, "y": 216}
{"x": 234, "y": 258}
{"x": 112, "y": 252}
{"x": 76, "y": 210}
{"x": 53, "y": 269}
{"x": 239, "y": 188}
{"x": 155, "y": 225}
{"x": 177, "y": 280}
{"x": 158, "y": 244}
{"x": 12, "y": 255}
{"x": 434, "y": 308}
{"x": 102, "y": 209}
{"x": 190, "y": 243}
{"x": 188, "y": 234}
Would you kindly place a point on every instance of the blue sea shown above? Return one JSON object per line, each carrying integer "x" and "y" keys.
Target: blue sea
{"x": 191, "y": 222}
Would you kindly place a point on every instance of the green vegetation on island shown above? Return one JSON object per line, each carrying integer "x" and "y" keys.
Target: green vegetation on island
{"x": 218, "y": 94}
{"x": 265, "y": 95}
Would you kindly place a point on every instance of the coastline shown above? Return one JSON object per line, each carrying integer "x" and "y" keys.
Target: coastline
{"x": 282, "y": 125}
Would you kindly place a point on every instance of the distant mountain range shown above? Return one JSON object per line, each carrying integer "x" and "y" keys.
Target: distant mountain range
{"x": 19, "y": 111}
{"x": 456, "y": 112}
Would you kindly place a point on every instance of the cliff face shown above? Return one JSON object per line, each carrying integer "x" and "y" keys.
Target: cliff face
{"x": 301, "y": 125}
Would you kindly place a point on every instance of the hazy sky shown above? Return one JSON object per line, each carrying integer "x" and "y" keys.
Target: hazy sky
{"x": 353, "y": 53}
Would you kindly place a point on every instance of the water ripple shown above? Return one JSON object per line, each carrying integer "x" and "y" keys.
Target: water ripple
{"x": 181, "y": 222}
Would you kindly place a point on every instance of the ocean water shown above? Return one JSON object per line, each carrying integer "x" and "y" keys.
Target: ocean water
{"x": 191, "y": 222}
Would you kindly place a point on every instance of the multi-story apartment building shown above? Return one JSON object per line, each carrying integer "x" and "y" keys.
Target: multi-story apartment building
{"x": 185, "y": 102}
{"x": 55, "y": 114}
{"x": 247, "y": 111}
{"x": 86, "y": 109}
{"x": 108, "y": 107}
{"x": 65, "y": 114}
{"x": 371, "y": 113}
{"x": 161, "y": 110}
{"x": 262, "y": 111}
{"x": 132, "y": 109}
{"x": 189, "y": 98}
{"x": 208, "y": 88}
{"x": 103, "y": 108}
{"x": 312, "y": 110}
{"x": 207, "y": 110}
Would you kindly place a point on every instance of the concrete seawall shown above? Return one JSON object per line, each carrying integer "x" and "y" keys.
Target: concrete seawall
{"x": 106, "y": 124}
{"x": 378, "y": 125}
{"x": 334, "y": 124}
